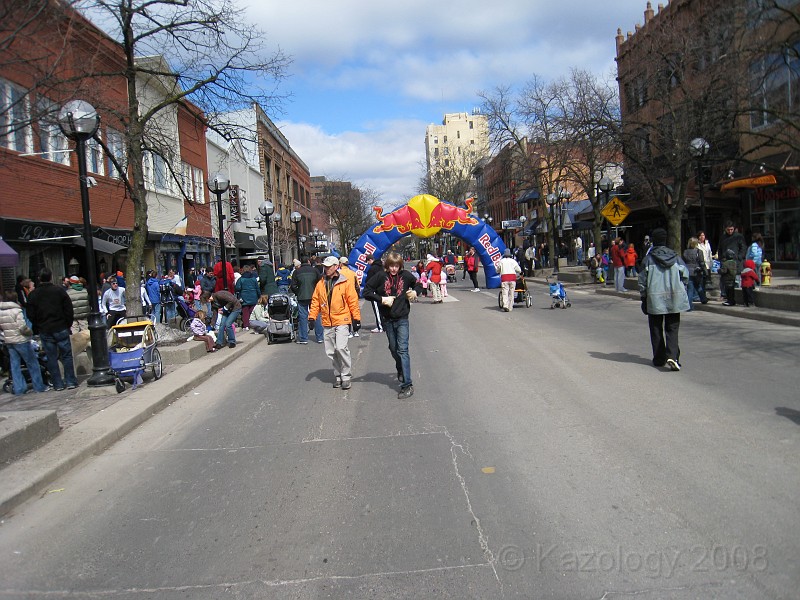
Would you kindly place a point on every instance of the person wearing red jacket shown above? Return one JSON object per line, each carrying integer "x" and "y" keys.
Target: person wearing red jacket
{"x": 630, "y": 259}
{"x": 616, "y": 253}
{"x": 749, "y": 281}
{"x": 220, "y": 284}
{"x": 434, "y": 269}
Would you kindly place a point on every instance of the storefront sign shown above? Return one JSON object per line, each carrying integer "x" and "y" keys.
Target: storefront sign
{"x": 233, "y": 198}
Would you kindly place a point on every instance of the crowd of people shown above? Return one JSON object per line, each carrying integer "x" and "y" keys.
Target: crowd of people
{"x": 327, "y": 295}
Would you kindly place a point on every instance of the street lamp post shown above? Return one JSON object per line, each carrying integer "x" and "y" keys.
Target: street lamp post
{"x": 552, "y": 200}
{"x": 79, "y": 121}
{"x": 698, "y": 148}
{"x": 219, "y": 184}
{"x": 266, "y": 209}
{"x": 295, "y": 217}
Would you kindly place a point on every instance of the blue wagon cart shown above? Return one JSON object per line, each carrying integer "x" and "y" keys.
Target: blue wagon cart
{"x": 132, "y": 351}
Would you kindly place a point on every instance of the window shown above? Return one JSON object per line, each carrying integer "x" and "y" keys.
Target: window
{"x": 267, "y": 171}
{"x": 199, "y": 185}
{"x": 445, "y": 139}
{"x": 15, "y": 133}
{"x": 447, "y": 151}
{"x": 470, "y": 124}
{"x": 116, "y": 148}
{"x": 458, "y": 135}
{"x": 774, "y": 86}
{"x": 278, "y": 178}
{"x": 436, "y": 139}
{"x": 159, "y": 172}
{"x": 53, "y": 144}
{"x": 94, "y": 157}
{"x": 436, "y": 153}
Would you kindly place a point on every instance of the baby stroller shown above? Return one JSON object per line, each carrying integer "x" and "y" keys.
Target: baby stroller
{"x": 558, "y": 295}
{"x": 131, "y": 350}
{"x": 450, "y": 270}
{"x": 8, "y": 384}
{"x": 282, "y": 317}
{"x": 185, "y": 312}
{"x": 521, "y": 294}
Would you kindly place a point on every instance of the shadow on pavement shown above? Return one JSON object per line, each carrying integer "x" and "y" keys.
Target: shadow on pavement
{"x": 622, "y": 357}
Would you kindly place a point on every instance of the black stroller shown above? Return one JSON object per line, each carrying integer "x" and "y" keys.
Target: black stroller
{"x": 8, "y": 384}
{"x": 282, "y": 317}
{"x": 185, "y": 312}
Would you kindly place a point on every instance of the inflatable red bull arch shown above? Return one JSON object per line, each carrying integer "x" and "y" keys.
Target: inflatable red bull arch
{"x": 425, "y": 216}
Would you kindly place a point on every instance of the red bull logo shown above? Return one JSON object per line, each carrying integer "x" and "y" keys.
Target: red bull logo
{"x": 424, "y": 216}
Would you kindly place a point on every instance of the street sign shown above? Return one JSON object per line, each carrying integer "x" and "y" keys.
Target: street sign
{"x": 512, "y": 224}
{"x": 615, "y": 211}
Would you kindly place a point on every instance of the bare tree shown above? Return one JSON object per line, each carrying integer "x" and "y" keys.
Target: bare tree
{"x": 590, "y": 109}
{"x": 450, "y": 179}
{"x": 673, "y": 95}
{"x": 348, "y": 207}
{"x": 200, "y": 54}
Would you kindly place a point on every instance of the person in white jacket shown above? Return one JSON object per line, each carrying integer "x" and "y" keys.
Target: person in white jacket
{"x": 17, "y": 337}
{"x": 509, "y": 270}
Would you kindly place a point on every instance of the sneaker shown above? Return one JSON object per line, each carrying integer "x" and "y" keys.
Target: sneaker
{"x": 320, "y": 341}
{"x": 476, "y": 289}
{"x": 356, "y": 334}
{"x": 346, "y": 385}
{"x": 337, "y": 383}
{"x": 302, "y": 341}
{"x": 406, "y": 393}
{"x": 349, "y": 335}
{"x": 232, "y": 345}
{"x": 60, "y": 388}
{"x": 727, "y": 304}
{"x": 376, "y": 330}
{"x": 72, "y": 386}
{"x": 673, "y": 364}
{"x": 218, "y": 346}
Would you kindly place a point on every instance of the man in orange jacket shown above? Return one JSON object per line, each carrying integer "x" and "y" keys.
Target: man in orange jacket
{"x": 336, "y": 301}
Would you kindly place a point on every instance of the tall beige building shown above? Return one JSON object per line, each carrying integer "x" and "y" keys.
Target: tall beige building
{"x": 459, "y": 141}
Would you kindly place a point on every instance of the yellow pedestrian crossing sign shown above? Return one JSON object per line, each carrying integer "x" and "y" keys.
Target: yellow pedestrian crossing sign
{"x": 615, "y": 211}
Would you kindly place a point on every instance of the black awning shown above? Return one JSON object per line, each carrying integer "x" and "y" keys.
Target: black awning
{"x": 528, "y": 196}
{"x": 100, "y": 245}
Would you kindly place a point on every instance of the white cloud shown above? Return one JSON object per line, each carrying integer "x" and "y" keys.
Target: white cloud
{"x": 387, "y": 158}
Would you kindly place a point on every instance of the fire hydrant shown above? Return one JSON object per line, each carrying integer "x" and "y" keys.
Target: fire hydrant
{"x": 766, "y": 273}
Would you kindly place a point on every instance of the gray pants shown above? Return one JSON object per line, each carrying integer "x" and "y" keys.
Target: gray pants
{"x": 337, "y": 350}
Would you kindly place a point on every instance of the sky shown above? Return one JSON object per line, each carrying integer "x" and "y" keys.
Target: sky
{"x": 367, "y": 76}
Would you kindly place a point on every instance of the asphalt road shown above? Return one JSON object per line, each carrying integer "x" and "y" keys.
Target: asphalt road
{"x": 542, "y": 456}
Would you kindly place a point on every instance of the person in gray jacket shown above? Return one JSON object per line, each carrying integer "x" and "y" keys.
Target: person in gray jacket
{"x": 662, "y": 288}
{"x": 17, "y": 337}
{"x": 304, "y": 280}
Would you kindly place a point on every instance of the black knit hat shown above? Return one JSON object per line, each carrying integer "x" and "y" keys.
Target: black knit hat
{"x": 659, "y": 237}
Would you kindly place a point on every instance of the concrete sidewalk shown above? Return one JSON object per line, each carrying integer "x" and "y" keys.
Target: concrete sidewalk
{"x": 95, "y": 418}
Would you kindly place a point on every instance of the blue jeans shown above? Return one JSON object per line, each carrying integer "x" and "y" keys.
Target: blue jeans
{"x": 57, "y": 346}
{"x": 397, "y": 334}
{"x": 302, "y": 315}
{"x": 26, "y": 354}
{"x": 695, "y": 289}
{"x": 226, "y": 328}
{"x": 157, "y": 312}
{"x": 319, "y": 330}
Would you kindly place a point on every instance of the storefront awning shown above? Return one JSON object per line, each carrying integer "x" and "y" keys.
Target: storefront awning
{"x": 528, "y": 196}
{"x": 100, "y": 245}
{"x": 8, "y": 256}
{"x": 749, "y": 182}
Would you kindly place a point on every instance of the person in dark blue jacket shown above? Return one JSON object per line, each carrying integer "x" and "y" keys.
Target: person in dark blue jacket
{"x": 284, "y": 279}
{"x": 248, "y": 291}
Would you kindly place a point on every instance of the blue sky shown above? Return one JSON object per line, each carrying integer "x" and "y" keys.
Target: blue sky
{"x": 368, "y": 76}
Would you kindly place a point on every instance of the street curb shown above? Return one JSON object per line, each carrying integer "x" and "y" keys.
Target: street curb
{"x": 29, "y": 475}
{"x": 767, "y": 315}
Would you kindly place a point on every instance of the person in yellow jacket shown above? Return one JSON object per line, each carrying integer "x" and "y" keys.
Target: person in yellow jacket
{"x": 336, "y": 301}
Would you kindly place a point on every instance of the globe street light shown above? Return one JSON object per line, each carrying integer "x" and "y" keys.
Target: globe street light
{"x": 295, "y": 217}
{"x": 698, "y": 148}
{"x": 79, "y": 121}
{"x": 266, "y": 209}
{"x": 219, "y": 184}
